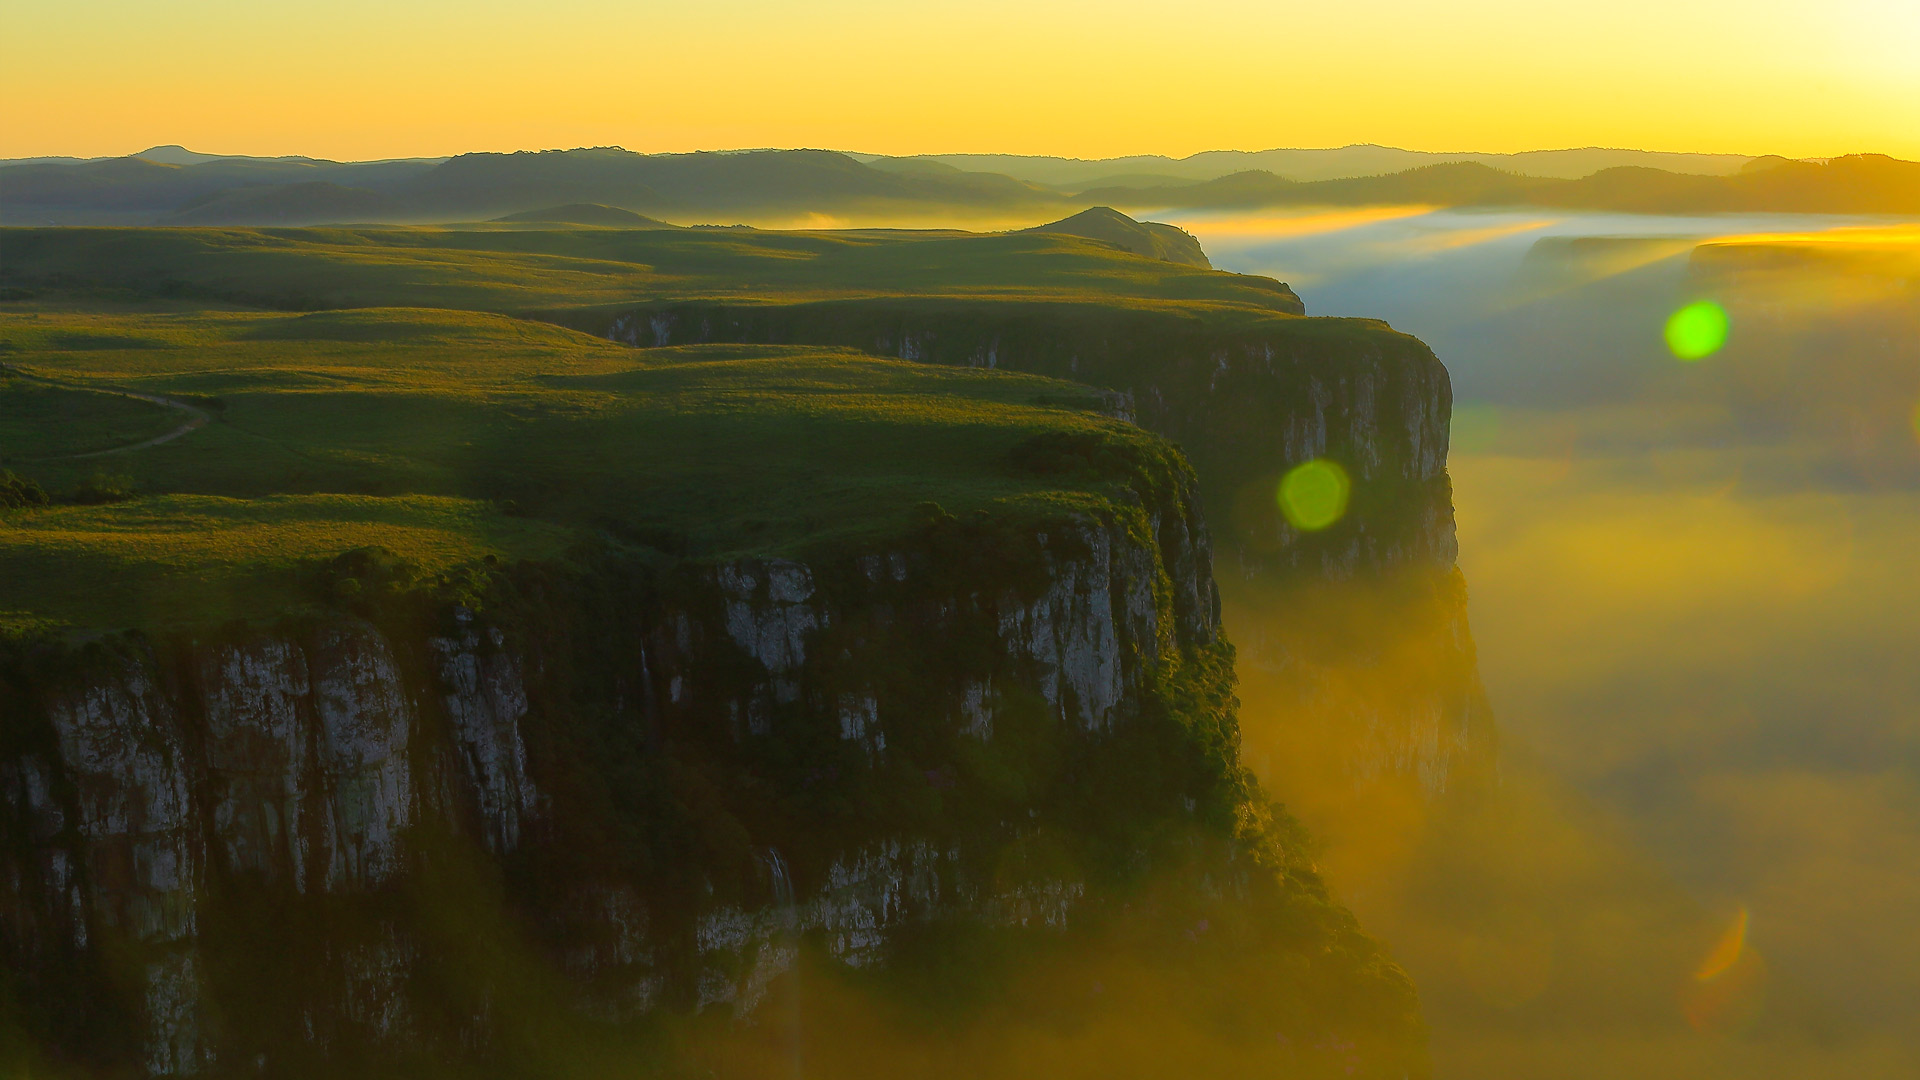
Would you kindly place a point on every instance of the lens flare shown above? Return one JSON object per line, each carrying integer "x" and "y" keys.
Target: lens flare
{"x": 1698, "y": 330}
{"x": 1314, "y": 495}
{"x": 1726, "y": 952}
{"x": 1729, "y": 988}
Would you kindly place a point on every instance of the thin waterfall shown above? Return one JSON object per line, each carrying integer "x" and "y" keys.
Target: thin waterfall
{"x": 787, "y": 924}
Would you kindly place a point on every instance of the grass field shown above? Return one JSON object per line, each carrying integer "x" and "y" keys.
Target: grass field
{"x": 415, "y": 406}
{"x": 40, "y": 420}
{"x": 446, "y": 437}
{"x": 518, "y": 272}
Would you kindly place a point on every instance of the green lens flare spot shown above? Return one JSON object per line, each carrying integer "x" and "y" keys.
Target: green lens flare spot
{"x": 1697, "y": 331}
{"x": 1314, "y": 495}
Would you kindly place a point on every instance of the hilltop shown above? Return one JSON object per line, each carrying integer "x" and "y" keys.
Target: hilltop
{"x": 593, "y": 214}
{"x": 1151, "y": 239}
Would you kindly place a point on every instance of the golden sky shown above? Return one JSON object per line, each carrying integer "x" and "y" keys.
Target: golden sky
{"x": 361, "y": 79}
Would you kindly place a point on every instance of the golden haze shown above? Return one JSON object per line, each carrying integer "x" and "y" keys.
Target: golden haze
{"x": 359, "y": 80}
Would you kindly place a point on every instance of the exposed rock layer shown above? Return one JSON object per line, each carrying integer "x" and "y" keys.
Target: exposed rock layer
{"x": 246, "y": 849}
{"x": 1248, "y": 397}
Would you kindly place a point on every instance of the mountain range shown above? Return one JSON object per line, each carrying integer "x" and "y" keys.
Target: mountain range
{"x": 174, "y": 186}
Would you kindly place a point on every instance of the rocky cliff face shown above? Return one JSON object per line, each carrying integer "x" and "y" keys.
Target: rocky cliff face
{"x": 1246, "y": 395}
{"x": 1247, "y": 398}
{"x": 224, "y": 853}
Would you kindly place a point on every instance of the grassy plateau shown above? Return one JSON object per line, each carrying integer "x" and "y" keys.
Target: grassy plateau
{"x": 447, "y": 437}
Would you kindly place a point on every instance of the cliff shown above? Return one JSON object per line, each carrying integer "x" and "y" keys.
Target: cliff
{"x": 223, "y": 847}
{"x": 1246, "y": 395}
{"x": 694, "y": 688}
{"x": 1354, "y": 638}
{"x": 475, "y": 694}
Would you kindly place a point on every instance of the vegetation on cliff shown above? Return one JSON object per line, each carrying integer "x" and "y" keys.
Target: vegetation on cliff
{"x": 446, "y": 436}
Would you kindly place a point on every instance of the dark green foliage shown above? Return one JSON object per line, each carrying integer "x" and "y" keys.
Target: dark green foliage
{"x": 101, "y": 488}
{"x": 359, "y": 580}
{"x": 1072, "y": 454}
{"x": 19, "y": 492}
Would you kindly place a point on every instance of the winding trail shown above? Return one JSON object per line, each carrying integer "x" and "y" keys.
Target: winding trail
{"x": 197, "y": 418}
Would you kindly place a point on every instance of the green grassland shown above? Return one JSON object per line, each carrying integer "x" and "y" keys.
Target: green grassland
{"x": 40, "y": 420}
{"x": 517, "y": 272}
{"x": 400, "y": 362}
{"x": 446, "y": 437}
{"x": 415, "y": 389}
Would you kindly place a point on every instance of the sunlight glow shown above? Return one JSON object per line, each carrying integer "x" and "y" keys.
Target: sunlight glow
{"x": 354, "y": 79}
{"x": 1726, "y": 952}
{"x": 1285, "y": 226}
{"x": 1893, "y": 236}
{"x": 1443, "y": 240}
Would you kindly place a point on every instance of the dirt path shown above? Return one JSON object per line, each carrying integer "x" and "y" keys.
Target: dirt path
{"x": 197, "y": 418}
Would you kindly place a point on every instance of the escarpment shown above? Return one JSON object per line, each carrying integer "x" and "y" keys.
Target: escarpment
{"x": 1247, "y": 396}
{"x": 485, "y": 697}
{"x": 265, "y": 847}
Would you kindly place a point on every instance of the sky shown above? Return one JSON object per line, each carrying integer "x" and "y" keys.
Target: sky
{"x": 358, "y": 79}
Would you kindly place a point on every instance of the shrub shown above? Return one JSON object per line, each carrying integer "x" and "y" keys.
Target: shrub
{"x": 19, "y": 493}
{"x": 104, "y": 488}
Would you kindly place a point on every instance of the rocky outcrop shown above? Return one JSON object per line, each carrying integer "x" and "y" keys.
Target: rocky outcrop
{"x": 485, "y": 699}
{"x": 135, "y": 840}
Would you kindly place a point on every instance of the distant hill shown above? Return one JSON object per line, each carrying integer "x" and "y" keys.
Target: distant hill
{"x": 314, "y": 202}
{"x": 1149, "y": 238}
{"x": 593, "y": 214}
{"x": 1078, "y": 174}
{"x": 1458, "y": 183}
{"x": 701, "y": 185}
{"x": 136, "y": 189}
{"x": 177, "y": 186}
{"x": 1857, "y": 184}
